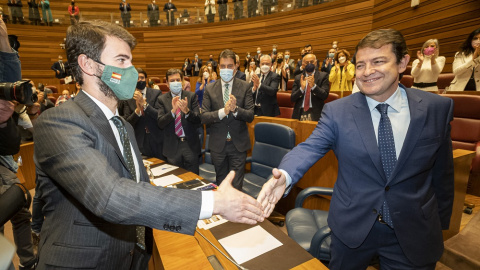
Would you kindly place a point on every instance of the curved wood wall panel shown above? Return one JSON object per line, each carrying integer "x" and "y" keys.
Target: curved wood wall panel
{"x": 343, "y": 20}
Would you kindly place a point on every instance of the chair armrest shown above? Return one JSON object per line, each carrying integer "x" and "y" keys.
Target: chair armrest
{"x": 249, "y": 159}
{"x": 317, "y": 241}
{"x": 311, "y": 191}
{"x": 476, "y": 159}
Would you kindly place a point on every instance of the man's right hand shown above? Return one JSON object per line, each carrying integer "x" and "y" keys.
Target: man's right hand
{"x": 6, "y": 110}
{"x": 303, "y": 83}
{"x": 236, "y": 206}
{"x": 272, "y": 191}
{"x": 175, "y": 104}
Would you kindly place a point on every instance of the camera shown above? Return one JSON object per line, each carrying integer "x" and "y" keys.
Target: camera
{"x": 20, "y": 91}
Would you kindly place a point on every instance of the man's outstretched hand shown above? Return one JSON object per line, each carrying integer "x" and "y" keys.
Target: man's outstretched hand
{"x": 236, "y": 206}
{"x": 272, "y": 191}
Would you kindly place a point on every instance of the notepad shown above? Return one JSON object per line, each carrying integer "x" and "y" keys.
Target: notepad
{"x": 162, "y": 169}
{"x": 166, "y": 180}
{"x": 249, "y": 244}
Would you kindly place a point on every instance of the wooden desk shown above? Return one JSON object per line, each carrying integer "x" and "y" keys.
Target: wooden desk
{"x": 179, "y": 251}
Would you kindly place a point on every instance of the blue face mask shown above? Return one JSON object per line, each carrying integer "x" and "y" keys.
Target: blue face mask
{"x": 226, "y": 74}
{"x": 287, "y": 56}
{"x": 331, "y": 55}
{"x": 175, "y": 87}
{"x": 122, "y": 81}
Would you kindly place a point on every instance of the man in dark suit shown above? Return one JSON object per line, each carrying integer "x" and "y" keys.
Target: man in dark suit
{"x": 265, "y": 88}
{"x": 196, "y": 65}
{"x": 238, "y": 73}
{"x": 299, "y": 68}
{"x": 153, "y": 13}
{"x": 97, "y": 192}
{"x": 394, "y": 190}
{"x": 125, "y": 13}
{"x": 222, "y": 9}
{"x": 179, "y": 117}
{"x": 60, "y": 68}
{"x": 227, "y": 107}
{"x": 170, "y": 10}
{"x": 258, "y": 55}
{"x": 310, "y": 90}
{"x": 141, "y": 112}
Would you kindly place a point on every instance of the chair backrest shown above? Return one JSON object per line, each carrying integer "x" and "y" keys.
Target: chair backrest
{"x": 163, "y": 87}
{"x": 332, "y": 97}
{"x": 285, "y": 104}
{"x": 408, "y": 71}
{"x": 53, "y": 88}
{"x": 272, "y": 142}
{"x": 466, "y": 123}
{"x": 407, "y": 81}
{"x": 155, "y": 80}
{"x": 290, "y": 84}
{"x": 444, "y": 80}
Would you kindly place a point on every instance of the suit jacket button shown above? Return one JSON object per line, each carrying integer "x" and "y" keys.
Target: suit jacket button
{"x": 387, "y": 188}
{"x": 178, "y": 228}
{"x": 131, "y": 252}
{"x": 165, "y": 226}
{"x": 172, "y": 228}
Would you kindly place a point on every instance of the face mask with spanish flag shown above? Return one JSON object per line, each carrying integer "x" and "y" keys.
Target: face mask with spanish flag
{"x": 122, "y": 81}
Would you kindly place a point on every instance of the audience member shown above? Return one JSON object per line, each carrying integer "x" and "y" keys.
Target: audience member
{"x": 196, "y": 65}
{"x": 466, "y": 65}
{"x": 152, "y": 85}
{"x": 33, "y": 13}
{"x": 125, "y": 13}
{"x": 264, "y": 89}
{"x": 238, "y": 73}
{"x": 16, "y": 10}
{"x": 62, "y": 98}
{"x": 282, "y": 69}
{"x": 329, "y": 61}
{"x": 170, "y": 10}
{"x": 395, "y": 187}
{"x": 252, "y": 8}
{"x": 335, "y": 45}
{"x": 210, "y": 10}
{"x": 246, "y": 61}
{"x": 213, "y": 62}
{"x": 179, "y": 118}
{"x": 302, "y": 3}
{"x": 186, "y": 85}
{"x": 141, "y": 112}
{"x": 310, "y": 90}
{"x": 222, "y": 9}
{"x": 153, "y": 13}
{"x": 89, "y": 180}
{"x": 427, "y": 66}
{"x": 60, "y": 68}
{"x": 187, "y": 68}
{"x": 238, "y": 9}
{"x": 258, "y": 55}
{"x": 228, "y": 112}
{"x": 316, "y": 2}
{"x": 185, "y": 13}
{"x": 74, "y": 12}
{"x": 202, "y": 82}
{"x": 290, "y": 63}
{"x": 46, "y": 12}
{"x": 44, "y": 102}
{"x": 212, "y": 70}
{"x": 267, "y": 7}
{"x": 252, "y": 69}
{"x": 342, "y": 73}
{"x": 299, "y": 68}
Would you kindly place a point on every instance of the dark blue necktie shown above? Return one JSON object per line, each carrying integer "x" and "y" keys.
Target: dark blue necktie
{"x": 386, "y": 145}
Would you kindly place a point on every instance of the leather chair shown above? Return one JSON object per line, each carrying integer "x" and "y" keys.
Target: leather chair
{"x": 444, "y": 80}
{"x": 407, "y": 81}
{"x": 290, "y": 84}
{"x": 163, "y": 87}
{"x": 53, "y": 88}
{"x": 285, "y": 104}
{"x": 272, "y": 142}
{"x": 308, "y": 227}
{"x": 155, "y": 80}
{"x": 332, "y": 97}
{"x": 466, "y": 133}
{"x": 207, "y": 170}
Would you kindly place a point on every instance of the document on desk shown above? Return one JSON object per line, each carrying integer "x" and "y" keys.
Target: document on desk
{"x": 162, "y": 169}
{"x": 249, "y": 244}
{"x": 166, "y": 180}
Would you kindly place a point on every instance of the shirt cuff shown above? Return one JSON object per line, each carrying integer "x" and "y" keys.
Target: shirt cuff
{"x": 288, "y": 182}
{"x": 221, "y": 113}
{"x": 206, "y": 210}
{"x": 139, "y": 114}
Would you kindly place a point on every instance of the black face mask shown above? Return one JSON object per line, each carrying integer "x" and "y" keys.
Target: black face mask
{"x": 73, "y": 3}
{"x": 141, "y": 85}
{"x": 279, "y": 60}
{"x": 310, "y": 68}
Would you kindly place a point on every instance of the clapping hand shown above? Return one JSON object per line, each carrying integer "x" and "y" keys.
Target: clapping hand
{"x": 272, "y": 191}
{"x": 310, "y": 81}
{"x": 236, "y": 206}
{"x": 183, "y": 105}
{"x": 303, "y": 82}
{"x": 256, "y": 81}
{"x": 175, "y": 104}
{"x": 420, "y": 56}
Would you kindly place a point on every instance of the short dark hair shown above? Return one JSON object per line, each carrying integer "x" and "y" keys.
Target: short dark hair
{"x": 466, "y": 47}
{"x": 227, "y": 54}
{"x": 378, "y": 38}
{"x": 88, "y": 38}
{"x": 140, "y": 70}
{"x": 308, "y": 45}
{"x": 174, "y": 71}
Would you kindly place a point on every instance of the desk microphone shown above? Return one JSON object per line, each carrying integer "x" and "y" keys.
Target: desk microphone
{"x": 225, "y": 255}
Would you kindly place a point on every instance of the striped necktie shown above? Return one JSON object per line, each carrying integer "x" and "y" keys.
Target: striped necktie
{"x": 226, "y": 97}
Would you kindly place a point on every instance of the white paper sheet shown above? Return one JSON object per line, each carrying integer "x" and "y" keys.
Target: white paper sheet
{"x": 162, "y": 169}
{"x": 249, "y": 244}
{"x": 166, "y": 180}
{"x": 209, "y": 223}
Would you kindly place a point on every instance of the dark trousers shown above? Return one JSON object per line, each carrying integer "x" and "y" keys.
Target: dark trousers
{"x": 222, "y": 12}
{"x": 210, "y": 19}
{"x": 267, "y": 9}
{"x": 126, "y": 19}
{"x": 229, "y": 159}
{"x": 252, "y": 8}
{"x": 37, "y": 214}
{"x": 185, "y": 158}
{"x": 150, "y": 147}
{"x": 238, "y": 10}
{"x": 381, "y": 242}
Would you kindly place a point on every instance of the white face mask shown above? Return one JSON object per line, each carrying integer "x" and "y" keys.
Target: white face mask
{"x": 342, "y": 59}
{"x": 206, "y": 74}
{"x": 209, "y": 68}
{"x": 334, "y": 46}
{"x": 265, "y": 68}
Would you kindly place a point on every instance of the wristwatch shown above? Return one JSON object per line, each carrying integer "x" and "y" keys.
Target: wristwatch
{"x": 145, "y": 105}
{"x": 236, "y": 109}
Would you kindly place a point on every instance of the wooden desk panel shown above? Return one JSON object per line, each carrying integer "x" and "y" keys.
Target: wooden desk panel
{"x": 28, "y": 167}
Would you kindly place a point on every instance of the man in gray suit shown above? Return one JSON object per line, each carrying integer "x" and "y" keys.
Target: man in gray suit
{"x": 227, "y": 106}
{"x": 100, "y": 204}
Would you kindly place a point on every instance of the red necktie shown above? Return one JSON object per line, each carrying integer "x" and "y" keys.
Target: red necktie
{"x": 306, "y": 102}
{"x": 178, "y": 124}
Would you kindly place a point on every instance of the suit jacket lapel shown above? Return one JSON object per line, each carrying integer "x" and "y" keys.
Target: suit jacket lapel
{"x": 418, "y": 117}
{"x": 100, "y": 121}
{"x": 363, "y": 120}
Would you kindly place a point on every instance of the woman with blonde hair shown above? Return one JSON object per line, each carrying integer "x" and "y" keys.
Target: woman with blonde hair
{"x": 281, "y": 68}
{"x": 427, "y": 66}
{"x": 251, "y": 69}
{"x": 204, "y": 79}
{"x": 342, "y": 73}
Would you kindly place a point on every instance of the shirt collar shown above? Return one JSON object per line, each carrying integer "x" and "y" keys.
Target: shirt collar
{"x": 106, "y": 111}
{"x": 394, "y": 101}
{"x": 230, "y": 83}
